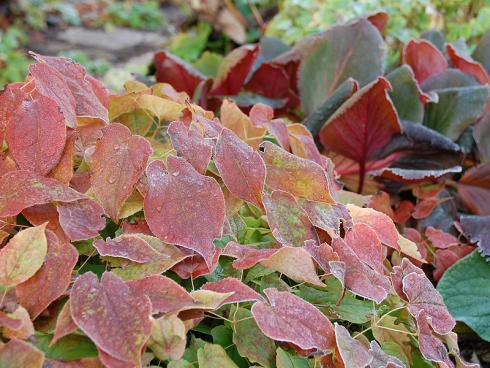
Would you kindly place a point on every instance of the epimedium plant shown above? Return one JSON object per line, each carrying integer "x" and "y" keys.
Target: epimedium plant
{"x": 147, "y": 229}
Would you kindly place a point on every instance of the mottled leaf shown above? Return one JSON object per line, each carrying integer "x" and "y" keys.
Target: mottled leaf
{"x": 168, "y": 337}
{"x": 212, "y": 356}
{"x": 19, "y": 354}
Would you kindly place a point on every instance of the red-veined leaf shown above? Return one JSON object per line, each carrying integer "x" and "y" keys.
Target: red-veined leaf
{"x": 424, "y": 59}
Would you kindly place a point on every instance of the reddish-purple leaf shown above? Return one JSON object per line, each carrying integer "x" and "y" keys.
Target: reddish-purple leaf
{"x": 360, "y": 278}
{"x": 82, "y": 219}
{"x": 164, "y": 293}
{"x": 352, "y": 351}
{"x": 64, "y": 324}
{"x": 289, "y": 223}
{"x": 118, "y": 162}
{"x": 129, "y": 246}
{"x": 51, "y": 280}
{"x": 36, "y": 135}
{"x": 291, "y": 319}
{"x": 10, "y": 99}
{"x": 423, "y": 297}
{"x": 363, "y": 125}
{"x": 241, "y": 292}
{"x": 424, "y": 59}
{"x": 440, "y": 239}
{"x": 233, "y": 70}
{"x": 182, "y": 76}
{"x": 467, "y": 65}
{"x": 19, "y": 354}
{"x": 247, "y": 255}
{"x": 50, "y": 83}
{"x": 181, "y": 197}
{"x": 382, "y": 224}
{"x": 63, "y": 171}
{"x": 474, "y": 189}
{"x": 115, "y": 318}
{"x": 326, "y": 216}
{"x": 241, "y": 168}
{"x": 365, "y": 243}
{"x": 87, "y": 100}
{"x": 191, "y": 145}
{"x": 399, "y": 273}
{"x": 21, "y": 189}
{"x": 303, "y": 145}
{"x": 430, "y": 346}
{"x": 322, "y": 254}
{"x": 298, "y": 176}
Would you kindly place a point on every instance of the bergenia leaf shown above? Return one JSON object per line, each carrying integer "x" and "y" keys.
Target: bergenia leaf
{"x": 289, "y": 223}
{"x": 477, "y": 230}
{"x": 291, "y": 319}
{"x": 363, "y": 125}
{"x": 115, "y": 318}
{"x": 233, "y": 70}
{"x": 424, "y": 59}
{"x": 481, "y": 53}
{"x": 52, "y": 279}
{"x": 164, "y": 293}
{"x": 423, "y": 297}
{"x": 117, "y": 163}
{"x": 171, "y": 205}
{"x": 81, "y": 219}
{"x": 474, "y": 188}
{"x": 241, "y": 168}
{"x": 300, "y": 177}
{"x": 467, "y": 65}
{"x": 343, "y": 49}
{"x": 36, "y": 135}
{"x": 191, "y": 145}
{"x": 295, "y": 263}
{"x": 19, "y": 354}
{"x": 241, "y": 292}
{"x": 23, "y": 255}
{"x": 481, "y": 134}
{"x": 352, "y": 351}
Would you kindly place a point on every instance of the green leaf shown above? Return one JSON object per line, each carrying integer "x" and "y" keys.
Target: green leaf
{"x": 190, "y": 44}
{"x": 212, "y": 356}
{"x": 71, "y": 347}
{"x": 456, "y": 110}
{"x": 405, "y": 94}
{"x": 465, "y": 288}
{"x": 286, "y": 360}
{"x": 208, "y": 64}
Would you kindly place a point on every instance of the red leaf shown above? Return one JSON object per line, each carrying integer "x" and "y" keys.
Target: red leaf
{"x": 241, "y": 292}
{"x": 289, "y": 223}
{"x": 474, "y": 189}
{"x": 440, "y": 239}
{"x": 363, "y": 125}
{"x": 88, "y": 103}
{"x": 164, "y": 293}
{"x": 191, "y": 145}
{"x": 379, "y": 222}
{"x": 115, "y": 318}
{"x": 182, "y": 76}
{"x": 352, "y": 351}
{"x": 303, "y": 144}
{"x": 63, "y": 171}
{"x": 195, "y": 266}
{"x": 291, "y": 319}
{"x": 36, "y": 135}
{"x": 379, "y": 20}
{"x": 430, "y": 346}
{"x": 21, "y": 189}
{"x": 298, "y": 176}
{"x": 322, "y": 254}
{"x": 82, "y": 219}
{"x": 327, "y": 217}
{"x": 443, "y": 259}
{"x": 424, "y": 58}
{"x": 50, "y": 83}
{"x": 241, "y": 168}
{"x": 365, "y": 243}
{"x": 233, "y": 70}
{"x": 359, "y": 278}
{"x": 399, "y": 273}
{"x": 64, "y": 324}
{"x": 181, "y": 197}
{"x": 247, "y": 255}
{"x": 129, "y": 246}
{"x": 51, "y": 280}
{"x": 118, "y": 162}
{"x": 10, "y": 100}
{"x": 467, "y": 65}
{"x": 424, "y": 208}
{"x": 19, "y": 354}
{"x": 423, "y": 297}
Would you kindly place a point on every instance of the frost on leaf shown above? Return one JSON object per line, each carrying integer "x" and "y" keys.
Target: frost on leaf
{"x": 352, "y": 351}
{"x": 117, "y": 163}
{"x": 129, "y": 246}
{"x": 241, "y": 292}
{"x": 246, "y": 256}
{"x": 115, "y": 318}
{"x": 291, "y": 319}
{"x": 181, "y": 197}
{"x": 82, "y": 219}
{"x": 19, "y": 354}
